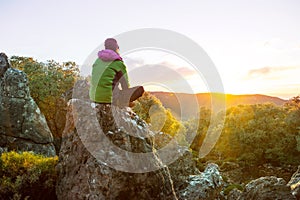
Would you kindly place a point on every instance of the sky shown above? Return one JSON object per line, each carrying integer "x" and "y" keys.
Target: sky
{"x": 255, "y": 45}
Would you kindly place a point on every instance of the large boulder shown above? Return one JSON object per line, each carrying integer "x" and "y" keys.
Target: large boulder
{"x": 207, "y": 185}
{"x": 103, "y": 156}
{"x": 22, "y": 126}
{"x": 266, "y": 188}
{"x": 294, "y": 183}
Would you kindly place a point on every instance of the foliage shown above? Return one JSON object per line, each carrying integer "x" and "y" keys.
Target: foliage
{"x": 252, "y": 134}
{"x": 150, "y": 109}
{"x": 26, "y": 175}
{"x": 231, "y": 187}
{"x": 256, "y": 134}
{"x": 46, "y": 80}
{"x": 47, "y": 83}
{"x": 293, "y": 105}
{"x": 201, "y": 127}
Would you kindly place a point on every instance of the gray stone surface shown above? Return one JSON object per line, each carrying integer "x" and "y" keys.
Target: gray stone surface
{"x": 294, "y": 183}
{"x": 3, "y": 64}
{"x": 234, "y": 194}
{"x": 182, "y": 166}
{"x": 207, "y": 185}
{"x": 82, "y": 175}
{"x": 266, "y": 188}
{"x": 181, "y": 169}
{"x": 22, "y": 126}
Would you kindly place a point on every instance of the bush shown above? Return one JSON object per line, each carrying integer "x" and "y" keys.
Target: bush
{"x": 150, "y": 109}
{"x": 258, "y": 134}
{"x": 27, "y": 176}
{"x": 231, "y": 187}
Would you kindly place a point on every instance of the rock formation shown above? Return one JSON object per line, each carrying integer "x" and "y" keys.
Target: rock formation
{"x": 207, "y": 185}
{"x": 22, "y": 126}
{"x": 234, "y": 194}
{"x": 264, "y": 188}
{"x": 294, "y": 183}
{"x": 89, "y": 166}
{"x": 181, "y": 169}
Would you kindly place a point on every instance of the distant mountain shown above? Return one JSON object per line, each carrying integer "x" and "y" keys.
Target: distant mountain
{"x": 187, "y": 105}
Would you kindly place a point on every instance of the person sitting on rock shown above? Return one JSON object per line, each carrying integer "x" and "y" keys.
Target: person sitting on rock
{"x": 109, "y": 71}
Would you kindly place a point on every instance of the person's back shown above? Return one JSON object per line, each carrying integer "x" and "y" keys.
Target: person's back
{"x": 108, "y": 72}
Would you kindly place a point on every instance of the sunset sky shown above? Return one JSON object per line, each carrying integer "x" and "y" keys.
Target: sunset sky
{"x": 255, "y": 45}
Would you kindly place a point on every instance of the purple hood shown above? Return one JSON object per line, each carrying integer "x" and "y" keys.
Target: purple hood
{"x": 108, "y": 55}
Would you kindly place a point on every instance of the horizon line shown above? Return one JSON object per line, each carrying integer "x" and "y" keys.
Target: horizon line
{"x": 221, "y": 93}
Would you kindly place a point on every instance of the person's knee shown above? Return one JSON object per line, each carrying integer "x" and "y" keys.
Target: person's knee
{"x": 141, "y": 90}
{"x": 137, "y": 92}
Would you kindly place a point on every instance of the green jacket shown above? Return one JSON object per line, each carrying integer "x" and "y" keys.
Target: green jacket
{"x": 105, "y": 76}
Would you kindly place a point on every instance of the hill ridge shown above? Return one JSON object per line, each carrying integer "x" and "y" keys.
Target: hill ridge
{"x": 177, "y": 102}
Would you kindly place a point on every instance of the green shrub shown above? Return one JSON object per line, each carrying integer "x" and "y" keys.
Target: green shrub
{"x": 258, "y": 134}
{"x": 27, "y": 175}
{"x": 150, "y": 109}
{"x": 231, "y": 187}
{"x": 225, "y": 178}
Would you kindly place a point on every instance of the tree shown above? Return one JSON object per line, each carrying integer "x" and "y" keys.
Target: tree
{"x": 150, "y": 109}
{"x": 293, "y": 119}
{"x": 202, "y": 126}
{"x": 258, "y": 134}
{"x": 47, "y": 83}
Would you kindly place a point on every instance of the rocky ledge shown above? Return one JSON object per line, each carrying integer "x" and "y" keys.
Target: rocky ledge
{"x": 89, "y": 166}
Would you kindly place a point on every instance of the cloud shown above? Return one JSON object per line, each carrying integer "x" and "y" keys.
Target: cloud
{"x": 285, "y": 91}
{"x": 186, "y": 71}
{"x": 133, "y": 62}
{"x": 276, "y": 43}
{"x": 269, "y": 71}
{"x": 162, "y": 71}
{"x": 273, "y": 80}
{"x": 175, "y": 79}
{"x": 155, "y": 73}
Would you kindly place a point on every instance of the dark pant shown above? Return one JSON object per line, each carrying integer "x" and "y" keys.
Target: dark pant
{"x": 124, "y": 97}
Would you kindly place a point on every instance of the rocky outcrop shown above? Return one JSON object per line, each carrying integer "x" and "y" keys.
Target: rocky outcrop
{"x": 234, "y": 194}
{"x": 294, "y": 183}
{"x": 207, "y": 185}
{"x": 181, "y": 165}
{"x": 22, "y": 126}
{"x": 112, "y": 161}
{"x": 181, "y": 169}
{"x": 265, "y": 188}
